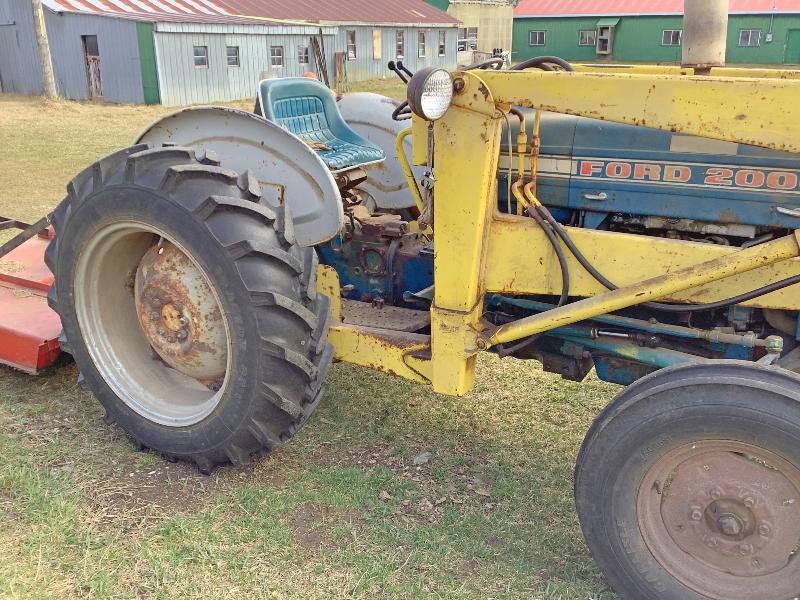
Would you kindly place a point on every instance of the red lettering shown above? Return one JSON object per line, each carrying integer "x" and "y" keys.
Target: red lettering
{"x": 677, "y": 173}
{"x": 618, "y": 170}
{"x": 590, "y": 168}
{"x": 781, "y": 180}
{"x": 719, "y": 176}
{"x": 750, "y": 178}
{"x": 647, "y": 171}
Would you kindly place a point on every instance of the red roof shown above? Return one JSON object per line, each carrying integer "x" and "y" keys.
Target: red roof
{"x": 618, "y": 8}
{"x": 216, "y": 11}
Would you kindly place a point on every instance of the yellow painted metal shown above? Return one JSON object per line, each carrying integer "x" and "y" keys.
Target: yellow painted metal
{"x": 329, "y": 285}
{"x": 677, "y": 70}
{"x": 394, "y": 352}
{"x": 419, "y": 145}
{"x": 466, "y": 155}
{"x": 397, "y": 353}
{"x": 655, "y": 288}
{"x": 762, "y": 112}
{"x": 404, "y": 164}
{"x": 624, "y": 258}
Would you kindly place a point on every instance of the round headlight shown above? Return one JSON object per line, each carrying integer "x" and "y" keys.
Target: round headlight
{"x": 430, "y": 93}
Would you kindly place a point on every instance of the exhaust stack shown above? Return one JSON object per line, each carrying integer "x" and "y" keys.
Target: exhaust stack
{"x": 705, "y": 33}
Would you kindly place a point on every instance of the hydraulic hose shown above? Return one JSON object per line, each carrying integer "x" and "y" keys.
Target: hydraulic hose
{"x": 543, "y": 63}
{"x": 677, "y": 308}
{"x": 495, "y": 63}
{"x": 548, "y": 231}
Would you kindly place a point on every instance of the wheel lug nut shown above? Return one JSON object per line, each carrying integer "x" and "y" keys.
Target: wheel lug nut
{"x": 161, "y": 331}
{"x": 764, "y": 530}
{"x": 181, "y": 335}
{"x": 749, "y": 502}
{"x": 183, "y": 321}
{"x": 155, "y": 303}
{"x": 171, "y": 339}
{"x": 154, "y": 316}
{"x": 696, "y": 514}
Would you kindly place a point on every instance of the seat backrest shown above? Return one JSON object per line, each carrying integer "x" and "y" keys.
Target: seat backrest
{"x": 305, "y": 107}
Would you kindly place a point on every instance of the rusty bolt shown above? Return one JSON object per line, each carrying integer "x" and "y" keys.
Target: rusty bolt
{"x": 154, "y": 316}
{"x": 181, "y": 335}
{"x": 155, "y": 303}
{"x": 161, "y": 331}
{"x": 696, "y": 513}
{"x": 481, "y": 343}
{"x": 170, "y": 338}
{"x": 729, "y": 525}
{"x": 749, "y": 502}
{"x": 745, "y": 549}
{"x": 764, "y": 529}
{"x": 183, "y": 321}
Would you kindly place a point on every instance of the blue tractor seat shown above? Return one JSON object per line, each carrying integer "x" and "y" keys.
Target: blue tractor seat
{"x": 308, "y": 109}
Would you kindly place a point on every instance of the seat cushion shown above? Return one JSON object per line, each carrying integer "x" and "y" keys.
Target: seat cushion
{"x": 305, "y": 117}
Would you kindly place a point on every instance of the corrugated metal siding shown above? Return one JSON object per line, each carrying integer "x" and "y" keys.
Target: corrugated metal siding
{"x": 120, "y": 71}
{"x": 366, "y": 66}
{"x": 183, "y": 83}
{"x": 19, "y": 60}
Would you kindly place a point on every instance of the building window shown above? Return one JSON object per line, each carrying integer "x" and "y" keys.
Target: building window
{"x": 233, "y": 55}
{"x": 377, "y": 45}
{"x": 442, "y": 43}
{"x": 276, "y": 56}
{"x": 671, "y": 37}
{"x": 201, "y": 57}
{"x": 587, "y": 37}
{"x": 749, "y": 37}
{"x": 467, "y": 39}
{"x": 302, "y": 55}
{"x": 421, "y": 53}
{"x": 400, "y": 43}
{"x": 536, "y": 38}
{"x": 351, "y": 44}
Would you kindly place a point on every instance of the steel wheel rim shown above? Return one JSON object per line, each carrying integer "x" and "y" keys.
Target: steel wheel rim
{"x": 723, "y": 518}
{"x": 107, "y": 316}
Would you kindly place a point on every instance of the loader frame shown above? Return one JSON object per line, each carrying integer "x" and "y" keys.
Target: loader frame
{"x": 480, "y": 250}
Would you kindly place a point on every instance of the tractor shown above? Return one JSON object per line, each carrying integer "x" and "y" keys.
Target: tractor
{"x": 642, "y": 222}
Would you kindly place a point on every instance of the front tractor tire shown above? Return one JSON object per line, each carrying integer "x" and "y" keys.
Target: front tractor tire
{"x": 188, "y": 306}
{"x": 688, "y": 485}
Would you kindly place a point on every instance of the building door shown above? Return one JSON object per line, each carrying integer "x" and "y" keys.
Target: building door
{"x": 792, "y": 56}
{"x": 92, "y": 54}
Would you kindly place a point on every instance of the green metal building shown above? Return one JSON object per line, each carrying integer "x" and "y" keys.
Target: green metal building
{"x": 760, "y": 32}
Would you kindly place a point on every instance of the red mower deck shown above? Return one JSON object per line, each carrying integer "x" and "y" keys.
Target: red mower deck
{"x": 29, "y": 328}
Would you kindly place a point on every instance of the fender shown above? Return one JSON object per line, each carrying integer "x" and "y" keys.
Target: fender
{"x": 289, "y": 171}
{"x": 371, "y": 116}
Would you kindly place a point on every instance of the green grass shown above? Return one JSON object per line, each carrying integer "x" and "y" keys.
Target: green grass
{"x": 340, "y": 512}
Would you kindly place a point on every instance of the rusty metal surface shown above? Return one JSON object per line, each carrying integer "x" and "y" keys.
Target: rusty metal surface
{"x": 392, "y": 318}
{"x": 179, "y": 314}
{"x": 724, "y": 519}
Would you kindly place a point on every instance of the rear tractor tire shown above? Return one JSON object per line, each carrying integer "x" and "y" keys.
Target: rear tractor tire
{"x": 188, "y": 306}
{"x": 688, "y": 485}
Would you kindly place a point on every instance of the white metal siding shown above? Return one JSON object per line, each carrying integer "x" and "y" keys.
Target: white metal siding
{"x": 183, "y": 83}
{"x": 366, "y": 66}
{"x": 120, "y": 70}
{"x": 19, "y": 59}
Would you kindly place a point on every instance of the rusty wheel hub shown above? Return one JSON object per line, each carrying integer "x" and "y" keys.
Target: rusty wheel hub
{"x": 179, "y": 314}
{"x": 722, "y": 516}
